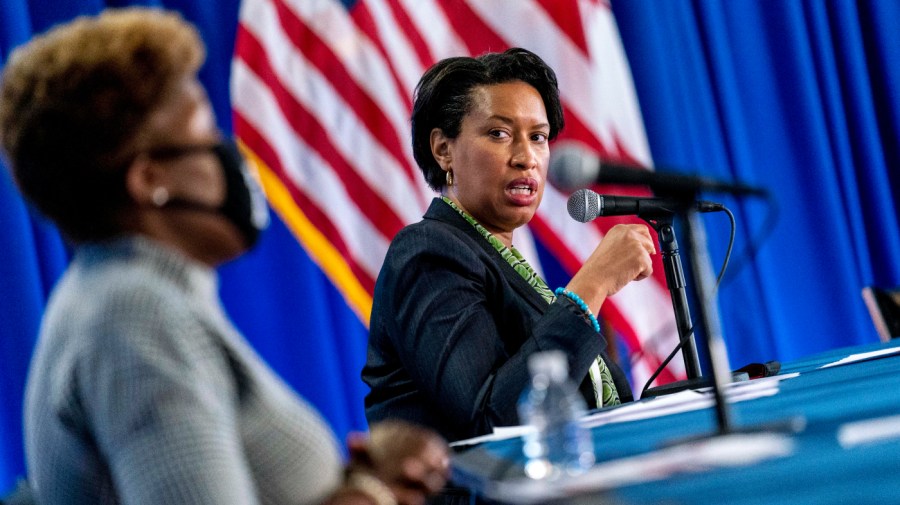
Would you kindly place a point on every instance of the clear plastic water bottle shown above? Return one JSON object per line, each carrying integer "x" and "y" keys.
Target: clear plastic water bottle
{"x": 558, "y": 445}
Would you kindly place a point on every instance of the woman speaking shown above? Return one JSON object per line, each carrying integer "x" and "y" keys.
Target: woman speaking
{"x": 457, "y": 309}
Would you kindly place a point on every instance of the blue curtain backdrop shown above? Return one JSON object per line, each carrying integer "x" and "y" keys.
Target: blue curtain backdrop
{"x": 797, "y": 96}
{"x": 800, "y": 97}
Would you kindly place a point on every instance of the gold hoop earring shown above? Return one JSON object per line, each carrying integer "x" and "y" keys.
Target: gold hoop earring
{"x": 449, "y": 177}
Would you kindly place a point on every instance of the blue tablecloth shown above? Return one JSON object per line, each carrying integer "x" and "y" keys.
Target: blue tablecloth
{"x": 818, "y": 469}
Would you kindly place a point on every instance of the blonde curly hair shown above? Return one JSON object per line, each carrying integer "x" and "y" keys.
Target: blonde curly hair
{"x": 73, "y": 100}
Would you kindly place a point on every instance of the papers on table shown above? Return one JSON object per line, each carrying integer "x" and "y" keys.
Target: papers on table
{"x": 686, "y": 401}
{"x": 675, "y": 403}
{"x": 695, "y": 455}
{"x": 863, "y": 356}
{"x": 683, "y": 401}
{"x": 500, "y": 433}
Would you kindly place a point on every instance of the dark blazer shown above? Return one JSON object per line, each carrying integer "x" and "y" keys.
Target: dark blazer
{"x": 452, "y": 327}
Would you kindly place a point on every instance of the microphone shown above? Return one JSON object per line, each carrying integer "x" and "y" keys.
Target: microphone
{"x": 573, "y": 167}
{"x": 585, "y": 205}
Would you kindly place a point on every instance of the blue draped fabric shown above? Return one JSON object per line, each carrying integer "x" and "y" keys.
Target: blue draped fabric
{"x": 797, "y": 96}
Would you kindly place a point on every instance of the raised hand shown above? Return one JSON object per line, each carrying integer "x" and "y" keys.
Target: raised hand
{"x": 622, "y": 256}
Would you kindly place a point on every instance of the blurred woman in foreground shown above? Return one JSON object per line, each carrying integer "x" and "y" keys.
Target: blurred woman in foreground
{"x": 141, "y": 390}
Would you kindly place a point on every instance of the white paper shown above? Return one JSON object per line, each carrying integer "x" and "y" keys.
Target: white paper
{"x": 675, "y": 403}
{"x": 500, "y": 433}
{"x": 687, "y": 400}
{"x": 853, "y": 358}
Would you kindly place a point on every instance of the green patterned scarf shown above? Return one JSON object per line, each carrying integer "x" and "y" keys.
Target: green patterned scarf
{"x": 604, "y": 388}
{"x": 510, "y": 254}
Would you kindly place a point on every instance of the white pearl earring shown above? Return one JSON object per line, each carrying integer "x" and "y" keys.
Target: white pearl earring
{"x": 160, "y": 196}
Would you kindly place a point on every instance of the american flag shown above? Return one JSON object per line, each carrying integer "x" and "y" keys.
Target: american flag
{"x": 322, "y": 94}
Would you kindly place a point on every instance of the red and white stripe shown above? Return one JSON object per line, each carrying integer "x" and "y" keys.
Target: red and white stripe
{"x": 322, "y": 97}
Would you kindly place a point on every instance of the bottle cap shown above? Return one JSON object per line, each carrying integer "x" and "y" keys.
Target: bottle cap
{"x": 550, "y": 363}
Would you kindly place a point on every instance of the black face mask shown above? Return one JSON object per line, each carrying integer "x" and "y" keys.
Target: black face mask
{"x": 245, "y": 202}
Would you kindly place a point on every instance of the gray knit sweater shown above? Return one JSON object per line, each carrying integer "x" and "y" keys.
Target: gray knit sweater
{"x": 142, "y": 391}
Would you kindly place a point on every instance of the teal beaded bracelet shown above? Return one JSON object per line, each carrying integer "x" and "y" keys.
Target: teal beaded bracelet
{"x": 583, "y": 306}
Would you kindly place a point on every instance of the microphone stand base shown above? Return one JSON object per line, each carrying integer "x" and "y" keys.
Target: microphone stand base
{"x": 677, "y": 386}
{"x": 694, "y": 383}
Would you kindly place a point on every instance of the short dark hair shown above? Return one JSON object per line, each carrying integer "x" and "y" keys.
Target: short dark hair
{"x": 444, "y": 96}
{"x": 72, "y": 102}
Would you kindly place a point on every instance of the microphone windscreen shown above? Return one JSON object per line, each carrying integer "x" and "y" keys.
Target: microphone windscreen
{"x": 572, "y": 166}
{"x": 583, "y": 205}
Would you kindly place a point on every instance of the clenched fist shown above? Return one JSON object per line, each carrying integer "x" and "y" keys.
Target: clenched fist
{"x": 622, "y": 256}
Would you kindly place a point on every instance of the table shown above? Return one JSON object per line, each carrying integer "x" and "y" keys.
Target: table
{"x": 822, "y": 431}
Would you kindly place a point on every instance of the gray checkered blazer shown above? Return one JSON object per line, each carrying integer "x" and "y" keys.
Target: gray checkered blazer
{"x": 142, "y": 391}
